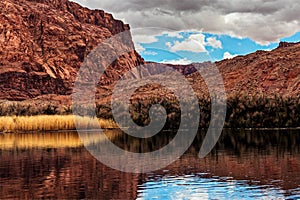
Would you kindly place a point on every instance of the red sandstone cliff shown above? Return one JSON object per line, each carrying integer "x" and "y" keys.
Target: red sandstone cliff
{"x": 44, "y": 42}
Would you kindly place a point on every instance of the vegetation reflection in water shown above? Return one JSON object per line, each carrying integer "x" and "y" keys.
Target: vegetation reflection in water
{"x": 244, "y": 164}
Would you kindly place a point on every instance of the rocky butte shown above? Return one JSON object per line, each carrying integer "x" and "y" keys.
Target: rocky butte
{"x": 44, "y": 42}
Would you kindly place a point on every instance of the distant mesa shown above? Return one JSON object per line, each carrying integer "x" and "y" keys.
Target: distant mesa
{"x": 286, "y": 44}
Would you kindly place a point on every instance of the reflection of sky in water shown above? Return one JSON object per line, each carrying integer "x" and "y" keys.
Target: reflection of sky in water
{"x": 194, "y": 187}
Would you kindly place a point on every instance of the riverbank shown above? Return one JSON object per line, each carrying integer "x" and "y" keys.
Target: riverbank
{"x": 242, "y": 111}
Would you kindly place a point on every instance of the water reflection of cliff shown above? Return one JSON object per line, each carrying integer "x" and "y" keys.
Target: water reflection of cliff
{"x": 56, "y": 165}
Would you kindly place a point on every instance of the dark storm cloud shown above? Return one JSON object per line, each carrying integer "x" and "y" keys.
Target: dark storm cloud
{"x": 261, "y": 20}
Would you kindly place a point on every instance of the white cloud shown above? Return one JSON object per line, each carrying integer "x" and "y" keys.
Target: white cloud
{"x": 194, "y": 43}
{"x": 182, "y": 61}
{"x": 174, "y": 34}
{"x": 139, "y": 48}
{"x": 145, "y": 39}
{"x": 150, "y": 53}
{"x": 228, "y": 55}
{"x": 213, "y": 42}
{"x": 169, "y": 44}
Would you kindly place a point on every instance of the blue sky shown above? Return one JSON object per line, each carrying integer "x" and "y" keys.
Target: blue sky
{"x": 224, "y": 46}
{"x": 196, "y": 30}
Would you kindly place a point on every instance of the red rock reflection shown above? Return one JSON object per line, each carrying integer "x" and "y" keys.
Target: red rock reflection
{"x": 70, "y": 172}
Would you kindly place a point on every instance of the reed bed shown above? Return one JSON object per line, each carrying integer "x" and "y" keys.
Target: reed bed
{"x": 51, "y": 123}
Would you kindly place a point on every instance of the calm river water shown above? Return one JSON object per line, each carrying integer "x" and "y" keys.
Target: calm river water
{"x": 243, "y": 165}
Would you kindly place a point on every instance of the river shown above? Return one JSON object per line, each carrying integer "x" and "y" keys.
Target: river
{"x": 243, "y": 165}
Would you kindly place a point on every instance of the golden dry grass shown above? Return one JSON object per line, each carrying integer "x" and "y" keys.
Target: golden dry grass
{"x": 51, "y": 123}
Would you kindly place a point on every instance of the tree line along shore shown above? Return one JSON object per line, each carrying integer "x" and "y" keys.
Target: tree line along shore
{"x": 242, "y": 112}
